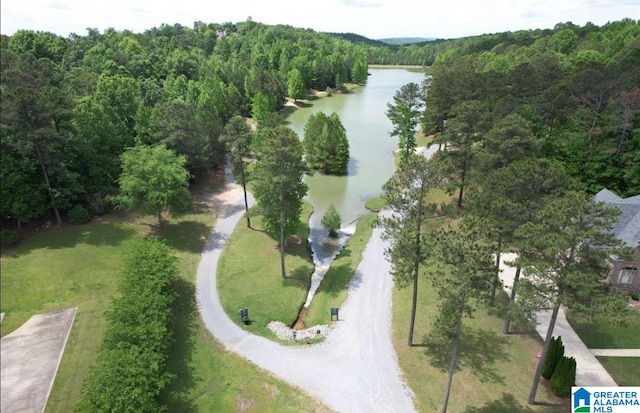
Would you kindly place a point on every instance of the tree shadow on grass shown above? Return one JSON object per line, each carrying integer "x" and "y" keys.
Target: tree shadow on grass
{"x": 186, "y": 236}
{"x": 300, "y": 278}
{"x": 176, "y": 395}
{"x": 508, "y": 404}
{"x": 338, "y": 279}
{"x": 96, "y": 234}
{"x": 478, "y": 352}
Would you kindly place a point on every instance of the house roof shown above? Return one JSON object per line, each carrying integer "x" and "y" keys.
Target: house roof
{"x": 627, "y": 228}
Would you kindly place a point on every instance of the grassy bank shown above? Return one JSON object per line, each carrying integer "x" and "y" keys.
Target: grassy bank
{"x": 335, "y": 285}
{"x": 249, "y": 275}
{"x": 78, "y": 266}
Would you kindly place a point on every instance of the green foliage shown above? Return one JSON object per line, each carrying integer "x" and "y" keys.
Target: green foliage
{"x": 331, "y": 221}
{"x": 154, "y": 180}
{"x": 404, "y": 113}
{"x": 564, "y": 376}
{"x": 9, "y": 237}
{"x": 295, "y": 85}
{"x": 326, "y": 144}
{"x": 555, "y": 353}
{"x": 635, "y": 296}
{"x": 78, "y": 215}
{"x": 131, "y": 370}
{"x": 277, "y": 177}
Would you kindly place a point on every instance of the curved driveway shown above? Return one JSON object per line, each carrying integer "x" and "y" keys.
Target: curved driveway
{"x": 355, "y": 368}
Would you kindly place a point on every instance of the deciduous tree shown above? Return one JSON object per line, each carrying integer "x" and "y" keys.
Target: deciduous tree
{"x": 154, "y": 180}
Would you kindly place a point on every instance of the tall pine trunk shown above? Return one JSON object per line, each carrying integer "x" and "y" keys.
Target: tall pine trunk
{"x": 416, "y": 266}
{"x": 454, "y": 353}
{"x": 284, "y": 273}
{"x": 48, "y": 182}
{"x": 244, "y": 189}
{"x": 536, "y": 378}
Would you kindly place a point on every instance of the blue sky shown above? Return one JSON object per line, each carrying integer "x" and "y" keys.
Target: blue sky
{"x": 372, "y": 18}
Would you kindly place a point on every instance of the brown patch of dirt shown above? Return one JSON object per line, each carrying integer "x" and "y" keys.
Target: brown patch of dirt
{"x": 273, "y": 390}
{"x": 299, "y": 323}
{"x": 634, "y": 305}
{"x": 244, "y": 404}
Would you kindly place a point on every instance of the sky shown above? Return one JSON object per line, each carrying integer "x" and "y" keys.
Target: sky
{"x": 374, "y": 19}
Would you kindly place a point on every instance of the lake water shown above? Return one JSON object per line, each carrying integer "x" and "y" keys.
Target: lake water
{"x": 362, "y": 113}
{"x": 371, "y": 164}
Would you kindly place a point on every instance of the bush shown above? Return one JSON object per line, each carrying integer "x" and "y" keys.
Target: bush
{"x": 564, "y": 377}
{"x": 9, "y": 237}
{"x": 331, "y": 221}
{"x": 554, "y": 355}
{"x": 78, "y": 215}
{"x": 131, "y": 370}
{"x": 635, "y": 296}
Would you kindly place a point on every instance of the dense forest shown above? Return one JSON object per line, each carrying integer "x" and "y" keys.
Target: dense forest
{"x": 72, "y": 105}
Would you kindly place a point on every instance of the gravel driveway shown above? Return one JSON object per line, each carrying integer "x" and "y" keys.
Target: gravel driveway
{"x": 355, "y": 368}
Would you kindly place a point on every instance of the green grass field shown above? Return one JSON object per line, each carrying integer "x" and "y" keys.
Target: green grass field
{"x": 78, "y": 266}
{"x": 254, "y": 280}
{"x": 494, "y": 372}
{"x": 624, "y": 370}
{"x": 602, "y": 334}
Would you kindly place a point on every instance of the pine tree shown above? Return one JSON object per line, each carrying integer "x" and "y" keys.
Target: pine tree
{"x": 554, "y": 355}
{"x": 564, "y": 377}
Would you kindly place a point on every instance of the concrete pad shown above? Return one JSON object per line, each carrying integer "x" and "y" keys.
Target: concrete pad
{"x": 30, "y": 357}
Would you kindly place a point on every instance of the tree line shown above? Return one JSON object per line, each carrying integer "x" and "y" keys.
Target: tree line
{"x": 71, "y": 106}
{"x": 523, "y": 148}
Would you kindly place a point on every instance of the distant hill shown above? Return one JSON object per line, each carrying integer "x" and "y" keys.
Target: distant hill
{"x": 356, "y": 38}
{"x": 397, "y": 41}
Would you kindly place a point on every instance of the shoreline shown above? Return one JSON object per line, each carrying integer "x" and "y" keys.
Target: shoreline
{"x": 381, "y": 66}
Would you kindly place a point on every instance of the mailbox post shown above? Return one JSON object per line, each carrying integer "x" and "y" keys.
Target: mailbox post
{"x": 244, "y": 316}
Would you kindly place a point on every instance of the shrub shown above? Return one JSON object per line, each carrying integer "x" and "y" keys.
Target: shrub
{"x": 331, "y": 221}
{"x": 635, "y": 296}
{"x": 564, "y": 377}
{"x": 554, "y": 355}
{"x": 78, "y": 215}
{"x": 9, "y": 237}
{"x": 329, "y": 91}
{"x": 131, "y": 370}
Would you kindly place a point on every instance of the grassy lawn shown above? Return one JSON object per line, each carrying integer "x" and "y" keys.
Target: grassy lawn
{"x": 78, "y": 266}
{"x": 376, "y": 204}
{"x": 601, "y": 335}
{"x": 254, "y": 280}
{"x": 624, "y": 370}
{"x": 493, "y": 373}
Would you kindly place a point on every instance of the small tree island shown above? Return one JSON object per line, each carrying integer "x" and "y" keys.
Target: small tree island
{"x": 326, "y": 146}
